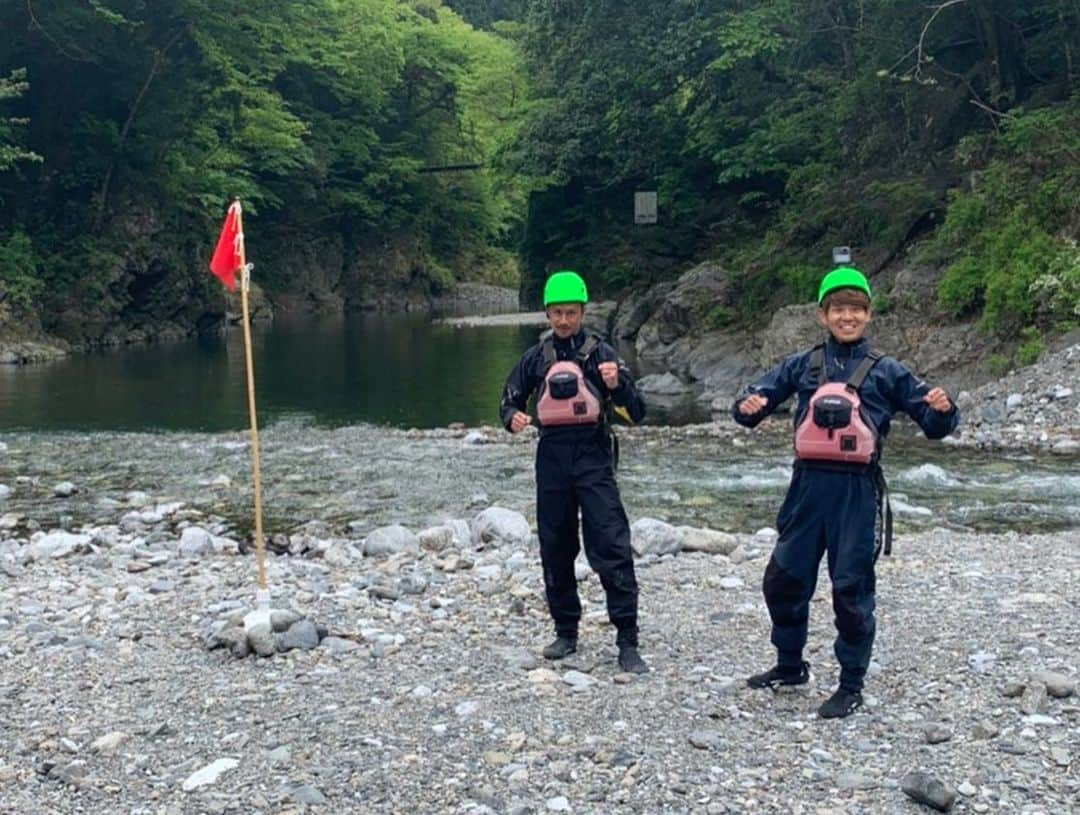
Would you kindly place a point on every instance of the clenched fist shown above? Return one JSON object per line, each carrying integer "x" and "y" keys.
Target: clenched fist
{"x": 609, "y": 372}
{"x": 519, "y": 421}
{"x": 938, "y": 400}
{"x": 752, "y": 404}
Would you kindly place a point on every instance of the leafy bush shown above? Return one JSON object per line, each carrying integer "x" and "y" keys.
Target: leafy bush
{"x": 1010, "y": 262}
{"x": 998, "y": 364}
{"x": 618, "y": 276}
{"x": 881, "y": 304}
{"x": 1031, "y": 348}
{"x": 1056, "y": 293}
{"x": 719, "y": 317}
{"x": 19, "y": 284}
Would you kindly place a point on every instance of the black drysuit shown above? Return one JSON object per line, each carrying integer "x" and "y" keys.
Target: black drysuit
{"x": 575, "y": 471}
{"x": 834, "y": 509}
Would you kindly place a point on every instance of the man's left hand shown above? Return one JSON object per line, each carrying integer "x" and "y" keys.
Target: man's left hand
{"x": 609, "y": 372}
{"x": 938, "y": 400}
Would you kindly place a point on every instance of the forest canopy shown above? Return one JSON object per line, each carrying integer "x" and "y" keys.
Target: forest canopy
{"x": 486, "y": 131}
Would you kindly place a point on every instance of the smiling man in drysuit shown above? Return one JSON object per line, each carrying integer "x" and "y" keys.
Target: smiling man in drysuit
{"x": 846, "y": 393}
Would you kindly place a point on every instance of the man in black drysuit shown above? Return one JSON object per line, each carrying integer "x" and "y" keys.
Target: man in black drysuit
{"x": 575, "y": 470}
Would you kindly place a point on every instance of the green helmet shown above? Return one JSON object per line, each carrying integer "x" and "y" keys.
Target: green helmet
{"x": 565, "y": 287}
{"x": 843, "y": 277}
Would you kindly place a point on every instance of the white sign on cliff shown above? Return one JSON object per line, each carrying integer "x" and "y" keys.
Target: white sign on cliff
{"x": 644, "y": 207}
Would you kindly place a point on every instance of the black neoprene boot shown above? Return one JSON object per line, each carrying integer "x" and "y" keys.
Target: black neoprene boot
{"x": 630, "y": 660}
{"x": 560, "y": 647}
{"x": 842, "y": 703}
{"x": 779, "y": 676}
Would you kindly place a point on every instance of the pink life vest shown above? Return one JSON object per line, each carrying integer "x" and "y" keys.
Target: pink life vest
{"x": 834, "y": 428}
{"x": 566, "y": 397}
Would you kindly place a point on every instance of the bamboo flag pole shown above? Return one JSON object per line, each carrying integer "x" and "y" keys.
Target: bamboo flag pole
{"x": 230, "y": 257}
{"x": 256, "y": 475}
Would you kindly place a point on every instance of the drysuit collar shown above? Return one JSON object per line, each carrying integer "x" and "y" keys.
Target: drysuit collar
{"x": 571, "y": 343}
{"x": 847, "y": 350}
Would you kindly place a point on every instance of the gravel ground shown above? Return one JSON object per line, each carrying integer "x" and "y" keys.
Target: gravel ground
{"x": 430, "y": 696}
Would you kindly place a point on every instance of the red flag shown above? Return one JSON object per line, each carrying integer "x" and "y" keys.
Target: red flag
{"x": 229, "y": 253}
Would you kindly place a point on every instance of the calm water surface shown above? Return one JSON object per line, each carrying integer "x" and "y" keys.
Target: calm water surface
{"x": 404, "y": 371}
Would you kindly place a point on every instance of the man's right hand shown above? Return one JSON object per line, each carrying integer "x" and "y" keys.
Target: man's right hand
{"x": 519, "y": 421}
{"x": 752, "y": 404}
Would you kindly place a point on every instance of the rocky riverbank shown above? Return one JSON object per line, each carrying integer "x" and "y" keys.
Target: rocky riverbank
{"x": 1037, "y": 406}
{"x": 429, "y": 695}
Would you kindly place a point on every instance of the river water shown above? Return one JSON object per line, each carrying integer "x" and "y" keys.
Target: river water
{"x": 404, "y": 371}
{"x": 336, "y": 398}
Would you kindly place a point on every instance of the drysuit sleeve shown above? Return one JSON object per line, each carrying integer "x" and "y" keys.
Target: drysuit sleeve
{"x": 776, "y": 386}
{"x": 519, "y": 386}
{"x": 907, "y": 396}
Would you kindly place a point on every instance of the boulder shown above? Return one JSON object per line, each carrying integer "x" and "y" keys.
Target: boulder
{"x": 195, "y": 542}
{"x": 649, "y": 536}
{"x": 390, "y": 540}
{"x": 707, "y": 540}
{"x": 57, "y": 545}
{"x": 666, "y": 384}
{"x": 496, "y": 526}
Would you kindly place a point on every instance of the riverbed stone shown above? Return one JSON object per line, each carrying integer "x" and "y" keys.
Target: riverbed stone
{"x": 936, "y": 733}
{"x": 707, "y": 540}
{"x": 390, "y": 540}
{"x": 195, "y": 542}
{"x": 261, "y": 640}
{"x": 926, "y": 789}
{"x": 650, "y": 536}
{"x": 665, "y": 384}
{"x": 436, "y": 538}
{"x": 65, "y": 489}
{"x": 498, "y": 526}
{"x": 1035, "y": 699}
{"x": 301, "y": 635}
{"x": 56, "y": 545}
{"x": 209, "y": 774}
{"x": 88, "y": 649}
{"x": 1057, "y": 684}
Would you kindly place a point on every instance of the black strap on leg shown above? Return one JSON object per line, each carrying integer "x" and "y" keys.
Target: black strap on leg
{"x": 885, "y": 534}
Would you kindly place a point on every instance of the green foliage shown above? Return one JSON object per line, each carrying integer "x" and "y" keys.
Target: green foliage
{"x": 998, "y": 365}
{"x": 1009, "y": 265}
{"x": 328, "y": 117}
{"x": 1031, "y": 347}
{"x": 12, "y": 87}
{"x": 485, "y": 13}
{"x": 962, "y": 288}
{"x": 720, "y": 317}
{"x": 811, "y": 124}
{"x": 19, "y": 281}
{"x": 801, "y": 280}
{"x": 881, "y": 304}
{"x": 618, "y": 276}
{"x": 770, "y": 129}
{"x": 1056, "y": 294}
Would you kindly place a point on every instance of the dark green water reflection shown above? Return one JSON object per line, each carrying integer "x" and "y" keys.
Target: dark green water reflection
{"x": 402, "y": 370}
